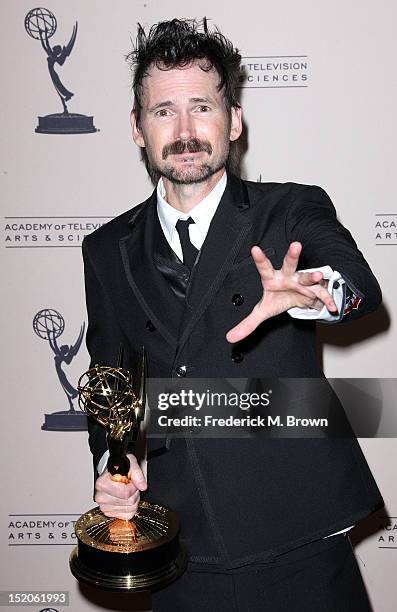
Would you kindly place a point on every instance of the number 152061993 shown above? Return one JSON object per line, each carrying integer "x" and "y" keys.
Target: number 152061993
{"x": 32, "y": 598}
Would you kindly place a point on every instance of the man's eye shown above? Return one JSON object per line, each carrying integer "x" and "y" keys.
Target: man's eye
{"x": 203, "y": 108}
{"x": 163, "y": 112}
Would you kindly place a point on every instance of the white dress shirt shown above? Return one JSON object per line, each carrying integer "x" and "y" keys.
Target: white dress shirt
{"x": 201, "y": 214}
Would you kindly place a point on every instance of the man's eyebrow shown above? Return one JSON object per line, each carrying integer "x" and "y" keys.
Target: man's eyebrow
{"x": 167, "y": 103}
{"x": 161, "y": 105}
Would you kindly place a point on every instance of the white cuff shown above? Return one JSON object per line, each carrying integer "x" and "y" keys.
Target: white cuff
{"x": 333, "y": 277}
{"x": 102, "y": 463}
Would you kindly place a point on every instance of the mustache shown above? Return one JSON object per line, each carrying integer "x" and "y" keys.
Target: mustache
{"x": 193, "y": 145}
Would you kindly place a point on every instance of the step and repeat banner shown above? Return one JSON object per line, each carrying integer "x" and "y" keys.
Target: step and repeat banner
{"x": 319, "y": 103}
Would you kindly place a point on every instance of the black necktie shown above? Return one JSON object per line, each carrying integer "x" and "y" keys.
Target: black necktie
{"x": 188, "y": 249}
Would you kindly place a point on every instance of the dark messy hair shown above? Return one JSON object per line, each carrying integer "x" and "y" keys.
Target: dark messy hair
{"x": 178, "y": 43}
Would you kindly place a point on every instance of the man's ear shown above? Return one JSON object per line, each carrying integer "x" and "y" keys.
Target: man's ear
{"x": 136, "y": 131}
{"x": 236, "y": 124}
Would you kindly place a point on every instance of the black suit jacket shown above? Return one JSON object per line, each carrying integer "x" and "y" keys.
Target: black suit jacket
{"x": 240, "y": 501}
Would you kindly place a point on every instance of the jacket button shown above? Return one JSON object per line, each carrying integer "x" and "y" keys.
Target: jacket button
{"x": 181, "y": 370}
{"x": 237, "y": 357}
{"x": 150, "y": 326}
{"x": 237, "y": 299}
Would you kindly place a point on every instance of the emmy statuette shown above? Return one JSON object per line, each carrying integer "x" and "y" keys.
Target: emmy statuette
{"x": 141, "y": 554}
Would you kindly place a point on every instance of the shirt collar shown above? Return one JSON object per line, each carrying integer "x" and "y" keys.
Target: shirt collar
{"x": 202, "y": 213}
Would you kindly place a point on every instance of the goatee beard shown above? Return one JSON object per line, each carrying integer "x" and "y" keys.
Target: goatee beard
{"x": 190, "y": 176}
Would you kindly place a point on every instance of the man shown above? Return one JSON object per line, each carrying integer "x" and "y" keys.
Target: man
{"x": 204, "y": 275}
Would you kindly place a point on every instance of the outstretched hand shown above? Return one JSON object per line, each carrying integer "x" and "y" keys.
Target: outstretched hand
{"x": 283, "y": 289}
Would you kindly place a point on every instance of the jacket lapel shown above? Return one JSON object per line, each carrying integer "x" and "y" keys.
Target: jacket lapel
{"x": 146, "y": 281}
{"x": 228, "y": 230}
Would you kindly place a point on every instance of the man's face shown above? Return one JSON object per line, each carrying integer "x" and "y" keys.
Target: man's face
{"x": 184, "y": 124}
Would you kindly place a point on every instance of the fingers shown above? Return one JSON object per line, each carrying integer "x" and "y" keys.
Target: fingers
{"x": 119, "y": 490}
{"x": 246, "y": 326}
{"x": 125, "y": 516}
{"x": 285, "y": 277}
{"x": 318, "y": 285}
{"x": 262, "y": 262}
{"x": 311, "y": 278}
{"x": 118, "y": 508}
{"x": 323, "y": 298}
{"x": 309, "y": 285}
{"x": 291, "y": 258}
{"x": 135, "y": 474}
{"x": 121, "y": 504}
{"x": 114, "y": 512}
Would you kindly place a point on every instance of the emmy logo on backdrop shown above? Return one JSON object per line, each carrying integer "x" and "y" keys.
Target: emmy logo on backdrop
{"x": 49, "y": 325}
{"x": 41, "y": 25}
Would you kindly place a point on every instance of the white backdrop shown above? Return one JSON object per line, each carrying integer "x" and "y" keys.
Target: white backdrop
{"x": 332, "y": 124}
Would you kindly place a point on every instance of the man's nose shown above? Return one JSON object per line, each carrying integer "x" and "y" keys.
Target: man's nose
{"x": 185, "y": 127}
